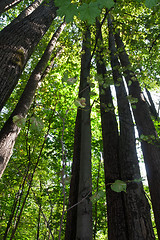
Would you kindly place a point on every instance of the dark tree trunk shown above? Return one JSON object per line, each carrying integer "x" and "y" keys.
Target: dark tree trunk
{"x": 145, "y": 126}
{"x": 96, "y": 204}
{"x": 10, "y": 130}
{"x": 17, "y": 42}
{"x": 79, "y": 215}
{"x": 115, "y": 207}
{"x": 84, "y": 208}
{"x": 71, "y": 223}
{"x": 152, "y": 108}
{"x": 137, "y": 209}
{"x": 7, "y": 4}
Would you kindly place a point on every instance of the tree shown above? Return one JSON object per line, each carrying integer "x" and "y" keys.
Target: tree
{"x": 61, "y": 114}
{"x": 79, "y": 221}
{"x": 7, "y": 4}
{"x": 13, "y": 125}
{"x": 145, "y": 126}
{"x": 135, "y": 200}
{"x": 18, "y": 41}
{"x": 110, "y": 150}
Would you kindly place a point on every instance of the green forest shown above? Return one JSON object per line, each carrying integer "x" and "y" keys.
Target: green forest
{"x": 79, "y": 122}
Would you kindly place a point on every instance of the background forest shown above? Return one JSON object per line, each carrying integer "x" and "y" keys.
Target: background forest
{"x": 79, "y": 100}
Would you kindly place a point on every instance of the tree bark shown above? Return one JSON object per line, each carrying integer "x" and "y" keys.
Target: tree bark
{"x": 152, "y": 108}
{"x": 137, "y": 209}
{"x": 115, "y": 206}
{"x": 10, "y": 130}
{"x": 7, "y": 4}
{"x": 84, "y": 209}
{"x": 17, "y": 43}
{"x": 71, "y": 222}
{"x": 26, "y": 12}
{"x": 145, "y": 126}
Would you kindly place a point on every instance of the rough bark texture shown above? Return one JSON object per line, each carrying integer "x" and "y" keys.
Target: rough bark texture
{"x": 115, "y": 207}
{"x": 145, "y": 126}
{"x": 27, "y": 11}
{"x": 84, "y": 209}
{"x": 7, "y": 4}
{"x": 137, "y": 208}
{"x": 17, "y": 42}
{"x": 10, "y": 130}
{"x": 152, "y": 108}
{"x": 71, "y": 223}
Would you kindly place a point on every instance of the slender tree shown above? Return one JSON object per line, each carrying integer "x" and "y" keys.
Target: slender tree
{"x": 84, "y": 210}
{"x": 145, "y": 126}
{"x": 27, "y": 11}
{"x": 79, "y": 221}
{"x": 7, "y": 4}
{"x": 17, "y": 42}
{"x": 11, "y": 130}
{"x": 71, "y": 222}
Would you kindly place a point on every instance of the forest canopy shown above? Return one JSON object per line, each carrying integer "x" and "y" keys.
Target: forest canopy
{"x": 79, "y": 101}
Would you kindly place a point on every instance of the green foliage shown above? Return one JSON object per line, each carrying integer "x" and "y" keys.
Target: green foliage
{"x": 119, "y": 186}
{"x": 36, "y": 125}
{"x": 87, "y": 11}
{"x": 67, "y": 9}
{"x": 151, "y": 3}
{"x": 98, "y": 195}
{"x": 19, "y": 121}
{"x": 54, "y": 105}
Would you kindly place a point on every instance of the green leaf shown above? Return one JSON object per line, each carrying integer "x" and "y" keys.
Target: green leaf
{"x": 89, "y": 12}
{"x": 119, "y": 186}
{"x": 98, "y": 195}
{"x": 132, "y": 99}
{"x": 19, "y": 121}
{"x": 105, "y": 3}
{"x": 71, "y": 81}
{"x": 36, "y": 125}
{"x": 129, "y": 83}
{"x": 65, "y": 76}
{"x": 138, "y": 180}
{"x": 133, "y": 106}
{"x": 67, "y": 9}
{"x": 151, "y": 3}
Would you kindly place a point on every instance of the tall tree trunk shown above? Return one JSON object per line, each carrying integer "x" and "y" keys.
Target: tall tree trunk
{"x": 17, "y": 43}
{"x": 145, "y": 126}
{"x": 79, "y": 215}
{"x": 152, "y": 108}
{"x": 84, "y": 209}
{"x": 96, "y": 204}
{"x": 10, "y": 130}
{"x": 71, "y": 222}
{"x": 7, "y": 4}
{"x": 137, "y": 209}
{"x": 115, "y": 206}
